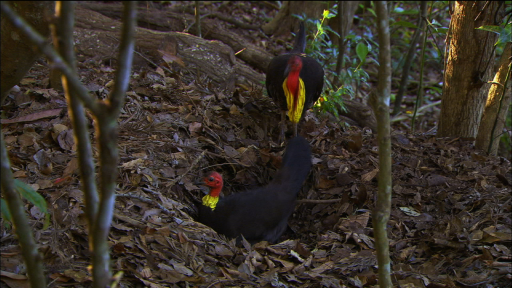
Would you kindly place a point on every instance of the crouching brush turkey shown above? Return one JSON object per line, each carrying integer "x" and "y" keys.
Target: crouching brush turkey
{"x": 294, "y": 81}
{"x": 262, "y": 213}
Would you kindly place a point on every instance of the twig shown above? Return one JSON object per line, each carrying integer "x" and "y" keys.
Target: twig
{"x": 188, "y": 170}
{"x": 150, "y": 191}
{"x": 152, "y": 63}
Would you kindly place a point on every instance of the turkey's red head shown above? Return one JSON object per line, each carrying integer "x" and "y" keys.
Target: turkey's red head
{"x": 214, "y": 181}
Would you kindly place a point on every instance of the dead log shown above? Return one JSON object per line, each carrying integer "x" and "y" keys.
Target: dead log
{"x": 359, "y": 112}
{"x": 18, "y": 53}
{"x": 165, "y": 20}
{"x": 100, "y": 34}
{"x": 149, "y": 41}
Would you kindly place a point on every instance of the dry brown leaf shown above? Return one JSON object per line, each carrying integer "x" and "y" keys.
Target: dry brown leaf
{"x": 33, "y": 117}
{"x": 12, "y": 275}
{"x": 221, "y": 250}
{"x": 233, "y": 110}
{"x": 66, "y": 140}
{"x": 57, "y": 129}
{"x": 195, "y": 128}
{"x": 287, "y": 265}
{"x": 79, "y": 276}
{"x": 71, "y": 168}
{"x": 44, "y": 183}
{"x": 248, "y": 156}
{"x": 43, "y": 161}
{"x": 14, "y": 283}
{"x": 230, "y": 151}
{"x": 181, "y": 268}
{"x": 19, "y": 174}
{"x": 27, "y": 139}
{"x": 367, "y": 177}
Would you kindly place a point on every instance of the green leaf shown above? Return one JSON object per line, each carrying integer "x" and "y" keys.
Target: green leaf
{"x": 490, "y": 28}
{"x": 441, "y": 30}
{"x": 505, "y": 35}
{"x": 31, "y": 195}
{"x": 405, "y": 24}
{"x": 373, "y": 12}
{"x": 6, "y": 214}
{"x": 46, "y": 221}
{"x": 435, "y": 23}
{"x": 362, "y": 51}
{"x": 436, "y": 89}
{"x": 406, "y": 12}
{"x": 503, "y": 39}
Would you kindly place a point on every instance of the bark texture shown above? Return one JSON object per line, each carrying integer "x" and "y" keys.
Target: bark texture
{"x": 284, "y": 21}
{"x": 468, "y": 68}
{"x": 495, "y": 113}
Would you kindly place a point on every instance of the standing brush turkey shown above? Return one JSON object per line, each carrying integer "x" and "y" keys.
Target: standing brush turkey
{"x": 262, "y": 213}
{"x": 294, "y": 81}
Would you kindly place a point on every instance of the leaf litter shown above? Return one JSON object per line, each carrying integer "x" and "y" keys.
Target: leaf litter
{"x": 450, "y": 222}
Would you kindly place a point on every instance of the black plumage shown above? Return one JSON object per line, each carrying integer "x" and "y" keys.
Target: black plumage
{"x": 289, "y": 67}
{"x": 262, "y": 213}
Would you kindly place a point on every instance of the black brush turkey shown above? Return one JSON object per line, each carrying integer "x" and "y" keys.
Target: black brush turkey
{"x": 262, "y": 213}
{"x": 294, "y": 81}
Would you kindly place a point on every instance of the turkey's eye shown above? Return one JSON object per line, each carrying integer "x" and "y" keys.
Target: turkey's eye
{"x": 211, "y": 179}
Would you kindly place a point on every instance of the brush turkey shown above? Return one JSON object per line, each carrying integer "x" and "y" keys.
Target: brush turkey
{"x": 294, "y": 81}
{"x": 262, "y": 213}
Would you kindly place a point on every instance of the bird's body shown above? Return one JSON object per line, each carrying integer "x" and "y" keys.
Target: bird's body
{"x": 262, "y": 213}
{"x": 294, "y": 81}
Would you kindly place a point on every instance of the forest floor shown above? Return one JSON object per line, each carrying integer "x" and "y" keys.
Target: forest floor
{"x": 450, "y": 222}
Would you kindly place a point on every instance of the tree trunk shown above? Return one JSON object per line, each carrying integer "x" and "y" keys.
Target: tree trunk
{"x": 468, "y": 68}
{"x": 284, "y": 22}
{"x": 495, "y": 112}
{"x": 18, "y": 54}
{"x": 342, "y": 24}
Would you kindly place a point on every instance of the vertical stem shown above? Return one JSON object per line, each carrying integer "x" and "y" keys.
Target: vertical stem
{"x": 491, "y": 141}
{"x": 29, "y": 248}
{"x": 107, "y": 128}
{"x": 198, "y": 19}
{"x": 409, "y": 58}
{"x": 419, "y": 96}
{"x": 383, "y": 207}
{"x": 63, "y": 41}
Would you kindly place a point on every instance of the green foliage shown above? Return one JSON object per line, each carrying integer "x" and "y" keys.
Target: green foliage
{"x": 402, "y": 30}
{"x": 504, "y": 31}
{"x": 362, "y": 50}
{"x": 32, "y": 196}
{"x": 322, "y": 48}
{"x": 405, "y": 24}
